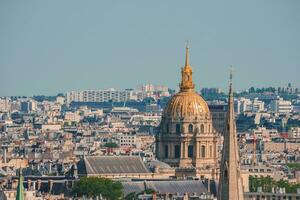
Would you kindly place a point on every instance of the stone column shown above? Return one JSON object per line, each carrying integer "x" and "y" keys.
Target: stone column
{"x": 186, "y": 149}
{"x": 197, "y": 149}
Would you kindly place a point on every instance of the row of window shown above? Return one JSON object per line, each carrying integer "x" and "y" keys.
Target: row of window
{"x": 190, "y": 128}
{"x": 190, "y": 151}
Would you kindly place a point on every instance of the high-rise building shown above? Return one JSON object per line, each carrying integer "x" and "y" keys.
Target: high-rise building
{"x": 5, "y": 105}
{"x": 247, "y": 105}
{"x": 187, "y": 139}
{"x": 100, "y": 95}
{"x": 230, "y": 182}
{"x": 28, "y": 106}
{"x": 281, "y": 106}
{"x": 210, "y": 91}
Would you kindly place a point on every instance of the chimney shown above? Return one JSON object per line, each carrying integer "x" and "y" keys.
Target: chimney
{"x": 50, "y": 185}
{"x": 208, "y": 186}
{"x": 39, "y": 184}
{"x": 4, "y": 155}
{"x": 66, "y": 184}
{"x": 14, "y": 184}
{"x": 33, "y": 185}
{"x": 49, "y": 167}
{"x": 186, "y": 196}
{"x": 154, "y": 196}
{"x": 28, "y": 184}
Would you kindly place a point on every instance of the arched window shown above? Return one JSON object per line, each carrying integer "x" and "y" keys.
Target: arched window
{"x": 177, "y": 151}
{"x": 202, "y": 128}
{"x": 178, "y": 128}
{"x": 191, "y": 128}
{"x": 190, "y": 151}
{"x": 166, "y": 151}
{"x": 203, "y": 151}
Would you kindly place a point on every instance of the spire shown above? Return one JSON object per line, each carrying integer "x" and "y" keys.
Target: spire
{"x": 230, "y": 185}
{"x": 20, "y": 188}
{"x": 186, "y": 74}
{"x": 187, "y": 56}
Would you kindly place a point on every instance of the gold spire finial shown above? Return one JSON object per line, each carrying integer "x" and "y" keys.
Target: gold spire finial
{"x": 186, "y": 74}
{"x": 187, "y": 56}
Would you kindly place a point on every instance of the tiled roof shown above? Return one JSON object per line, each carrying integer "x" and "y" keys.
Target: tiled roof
{"x": 166, "y": 187}
{"x": 111, "y": 165}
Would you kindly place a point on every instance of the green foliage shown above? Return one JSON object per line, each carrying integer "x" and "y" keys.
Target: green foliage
{"x": 267, "y": 183}
{"x": 293, "y": 165}
{"x": 111, "y": 145}
{"x": 94, "y": 186}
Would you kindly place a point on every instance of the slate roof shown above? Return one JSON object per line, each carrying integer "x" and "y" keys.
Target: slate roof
{"x": 164, "y": 187}
{"x": 111, "y": 165}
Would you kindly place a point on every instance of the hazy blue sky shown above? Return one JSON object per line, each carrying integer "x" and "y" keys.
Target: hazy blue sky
{"x": 53, "y": 46}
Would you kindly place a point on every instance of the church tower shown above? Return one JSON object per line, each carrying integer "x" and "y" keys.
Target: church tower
{"x": 187, "y": 139}
{"x": 230, "y": 184}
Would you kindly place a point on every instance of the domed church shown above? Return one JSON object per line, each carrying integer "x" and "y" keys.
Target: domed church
{"x": 187, "y": 139}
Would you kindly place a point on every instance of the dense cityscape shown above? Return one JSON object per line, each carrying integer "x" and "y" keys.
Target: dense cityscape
{"x": 123, "y": 141}
{"x": 149, "y": 100}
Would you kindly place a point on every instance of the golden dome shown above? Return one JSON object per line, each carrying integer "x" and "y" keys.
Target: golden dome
{"x": 186, "y": 103}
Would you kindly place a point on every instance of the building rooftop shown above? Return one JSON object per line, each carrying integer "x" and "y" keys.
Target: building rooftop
{"x": 111, "y": 165}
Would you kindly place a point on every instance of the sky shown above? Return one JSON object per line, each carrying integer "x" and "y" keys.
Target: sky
{"x": 54, "y": 46}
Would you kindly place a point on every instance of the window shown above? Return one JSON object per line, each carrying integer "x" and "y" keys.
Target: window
{"x": 177, "y": 151}
{"x": 167, "y": 128}
{"x": 166, "y": 151}
{"x": 202, "y": 128}
{"x": 202, "y": 151}
{"x": 191, "y": 128}
{"x": 190, "y": 151}
{"x": 178, "y": 128}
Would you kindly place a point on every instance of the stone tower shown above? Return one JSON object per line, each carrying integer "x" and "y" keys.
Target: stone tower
{"x": 230, "y": 184}
{"x": 187, "y": 138}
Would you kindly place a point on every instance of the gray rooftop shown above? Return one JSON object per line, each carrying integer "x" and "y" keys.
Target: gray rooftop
{"x": 166, "y": 187}
{"x": 111, "y": 165}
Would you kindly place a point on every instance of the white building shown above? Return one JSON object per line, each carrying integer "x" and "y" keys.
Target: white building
{"x": 247, "y": 105}
{"x": 281, "y": 106}
{"x": 294, "y": 132}
{"x": 150, "y": 90}
{"x": 60, "y": 100}
{"x": 5, "y": 105}
{"x": 126, "y": 140}
{"x": 101, "y": 96}
{"x": 72, "y": 117}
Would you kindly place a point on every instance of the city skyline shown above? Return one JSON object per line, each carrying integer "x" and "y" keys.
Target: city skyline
{"x": 121, "y": 45}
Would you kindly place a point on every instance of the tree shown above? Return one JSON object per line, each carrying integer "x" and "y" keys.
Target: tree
{"x": 94, "y": 186}
{"x": 111, "y": 145}
{"x": 267, "y": 183}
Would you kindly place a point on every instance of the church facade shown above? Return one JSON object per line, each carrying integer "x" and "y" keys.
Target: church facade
{"x": 187, "y": 140}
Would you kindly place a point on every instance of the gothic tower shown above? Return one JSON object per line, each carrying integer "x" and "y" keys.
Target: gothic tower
{"x": 230, "y": 184}
{"x": 187, "y": 138}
